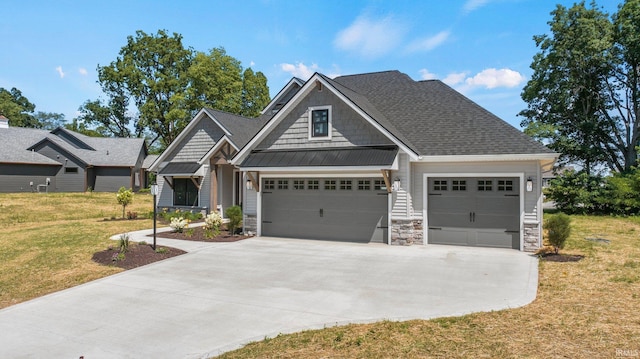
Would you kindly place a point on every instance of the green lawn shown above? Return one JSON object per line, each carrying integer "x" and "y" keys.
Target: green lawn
{"x": 47, "y": 240}
{"x": 585, "y": 309}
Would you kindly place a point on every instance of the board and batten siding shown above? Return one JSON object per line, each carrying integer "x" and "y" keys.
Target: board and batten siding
{"x": 110, "y": 179}
{"x": 348, "y": 128}
{"x": 197, "y": 142}
{"x": 16, "y": 177}
{"x": 531, "y": 169}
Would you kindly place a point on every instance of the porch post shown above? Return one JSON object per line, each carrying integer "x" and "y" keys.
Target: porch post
{"x": 213, "y": 194}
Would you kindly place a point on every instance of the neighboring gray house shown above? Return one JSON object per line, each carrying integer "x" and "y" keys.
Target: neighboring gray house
{"x": 374, "y": 157}
{"x": 65, "y": 161}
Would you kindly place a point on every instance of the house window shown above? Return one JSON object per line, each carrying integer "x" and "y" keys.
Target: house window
{"x": 313, "y": 184}
{"x": 458, "y": 185}
{"x": 345, "y": 185}
{"x": 283, "y": 184}
{"x": 379, "y": 185}
{"x": 364, "y": 185}
{"x": 485, "y": 185}
{"x": 505, "y": 185}
{"x": 320, "y": 122}
{"x": 185, "y": 192}
{"x": 71, "y": 170}
{"x": 298, "y": 184}
{"x": 439, "y": 185}
{"x": 269, "y": 184}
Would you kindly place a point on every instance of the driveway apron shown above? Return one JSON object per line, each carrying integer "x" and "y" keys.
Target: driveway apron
{"x": 223, "y": 295}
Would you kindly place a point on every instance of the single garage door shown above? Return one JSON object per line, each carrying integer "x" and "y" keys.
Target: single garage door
{"x": 481, "y": 212}
{"x": 340, "y": 209}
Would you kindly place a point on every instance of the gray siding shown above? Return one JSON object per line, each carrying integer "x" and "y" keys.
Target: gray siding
{"x": 348, "y": 128}
{"x": 197, "y": 142}
{"x": 18, "y": 177}
{"x": 110, "y": 179}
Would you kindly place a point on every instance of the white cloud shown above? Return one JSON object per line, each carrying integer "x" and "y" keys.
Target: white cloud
{"x": 252, "y": 64}
{"x": 429, "y": 43}
{"x": 492, "y": 78}
{"x": 60, "y": 72}
{"x": 455, "y": 78}
{"x": 426, "y": 75}
{"x": 83, "y": 71}
{"x": 371, "y": 37}
{"x": 472, "y": 5}
{"x": 300, "y": 70}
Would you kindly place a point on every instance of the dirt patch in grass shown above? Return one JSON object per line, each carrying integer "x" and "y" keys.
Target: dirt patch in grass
{"x": 137, "y": 255}
{"x": 199, "y": 234}
{"x": 561, "y": 257}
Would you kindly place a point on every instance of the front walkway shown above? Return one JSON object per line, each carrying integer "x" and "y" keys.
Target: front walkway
{"x": 222, "y": 295}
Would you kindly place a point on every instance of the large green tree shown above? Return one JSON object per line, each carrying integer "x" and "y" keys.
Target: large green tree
{"x": 255, "y": 93}
{"x": 152, "y": 70}
{"x": 583, "y": 95}
{"x": 17, "y": 108}
{"x": 168, "y": 84}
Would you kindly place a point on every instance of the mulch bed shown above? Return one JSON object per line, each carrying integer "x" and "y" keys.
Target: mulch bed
{"x": 137, "y": 255}
{"x": 143, "y": 254}
{"x": 198, "y": 234}
{"x": 553, "y": 257}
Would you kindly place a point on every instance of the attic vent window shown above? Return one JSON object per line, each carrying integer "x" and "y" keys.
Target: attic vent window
{"x": 320, "y": 123}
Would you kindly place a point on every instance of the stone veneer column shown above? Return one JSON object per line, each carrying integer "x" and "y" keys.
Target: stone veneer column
{"x": 250, "y": 224}
{"x": 531, "y": 235}
{"x": 405, "y": 232}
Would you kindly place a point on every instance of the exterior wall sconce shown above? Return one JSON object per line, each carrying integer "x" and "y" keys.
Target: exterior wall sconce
{"x": 396, "y": 184}
{"x": 249, "y": 184}
{"x": 529, "y": 184}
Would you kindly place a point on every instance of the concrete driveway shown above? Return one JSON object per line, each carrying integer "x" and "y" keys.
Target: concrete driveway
{"x": 223, "y": 295}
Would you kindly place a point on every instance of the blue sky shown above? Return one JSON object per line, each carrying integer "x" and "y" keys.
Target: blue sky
{"x": 482, "y": 48}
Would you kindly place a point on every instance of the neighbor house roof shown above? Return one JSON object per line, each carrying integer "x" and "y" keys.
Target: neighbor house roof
{"x": 95, "y": 151}
{"x": 433, "y": 118}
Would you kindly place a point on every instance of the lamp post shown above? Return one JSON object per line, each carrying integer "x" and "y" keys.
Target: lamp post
{"x": 154, "y": 192}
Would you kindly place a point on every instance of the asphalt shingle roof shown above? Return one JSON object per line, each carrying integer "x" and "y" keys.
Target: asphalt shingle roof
{"x": 242, "y": 128}
{"x": 433, "y": 118}
{"x": 100, "y": 151}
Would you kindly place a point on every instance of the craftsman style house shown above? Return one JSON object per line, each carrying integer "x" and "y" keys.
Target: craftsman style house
{"x": 61, "y": 160}
{"x": 374, "y": 157}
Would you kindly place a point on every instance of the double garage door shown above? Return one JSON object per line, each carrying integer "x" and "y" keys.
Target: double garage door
{"x": 481, "y": 212}
{"x": 341, "y": 209}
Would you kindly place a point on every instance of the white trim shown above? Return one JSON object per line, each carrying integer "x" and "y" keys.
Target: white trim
{"x": 215, "y": 148}
{"x": 290, "y": 105}
{"x": 310, "y": 123}
{"x": 490, "y": 158}
{"x": 294, "y": 80}
{"x": 425, "y": 196}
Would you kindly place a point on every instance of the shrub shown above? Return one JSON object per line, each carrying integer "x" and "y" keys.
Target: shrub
{"x": 132, "y": 215}
{"x": 123, "y": 243}
{"x": 234, "y": 214}
{"x": 124, "y": 197}
{"x": 212, "y": 223}
{"x": 558, "y": 229}
{"x": 178, "y": 224}
{"x": 162, "y": 250}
